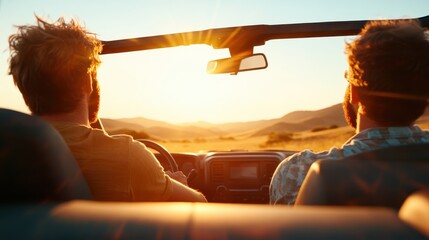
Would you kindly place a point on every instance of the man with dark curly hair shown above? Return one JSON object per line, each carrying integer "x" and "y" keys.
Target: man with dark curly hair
{"x": 54, "y": 65}
{"x": 388, "y": 91}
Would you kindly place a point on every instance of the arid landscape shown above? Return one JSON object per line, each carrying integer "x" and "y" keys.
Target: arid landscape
{"x": 316, "y": 130}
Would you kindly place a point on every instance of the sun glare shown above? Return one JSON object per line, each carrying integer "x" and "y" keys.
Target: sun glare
{"x": 174, "y": 81}
{"x": 172, "y": 84}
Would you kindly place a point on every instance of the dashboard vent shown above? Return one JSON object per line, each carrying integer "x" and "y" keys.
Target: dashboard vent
{"x": 217, "y": 173}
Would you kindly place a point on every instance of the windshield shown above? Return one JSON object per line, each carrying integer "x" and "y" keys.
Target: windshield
{"x": 167, "y": 95}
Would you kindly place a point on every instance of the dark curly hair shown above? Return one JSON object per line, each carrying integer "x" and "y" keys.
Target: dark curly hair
{"x": 51, "y": 63}
{"x": 389, "y": 63}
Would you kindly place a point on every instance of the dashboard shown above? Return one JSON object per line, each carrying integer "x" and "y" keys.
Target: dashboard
{"x": 231, "y": 176}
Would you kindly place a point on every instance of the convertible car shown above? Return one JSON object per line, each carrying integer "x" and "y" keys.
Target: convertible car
{"x": 382, "y": 194}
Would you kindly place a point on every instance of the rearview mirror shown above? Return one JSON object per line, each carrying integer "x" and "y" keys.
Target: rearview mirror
{"x": 237, "y": 64}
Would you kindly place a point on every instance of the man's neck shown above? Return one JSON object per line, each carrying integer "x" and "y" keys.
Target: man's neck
{"x": 363, "y": 122}
{"x": 79, "y": 116}
{"x": 66, "y": 117}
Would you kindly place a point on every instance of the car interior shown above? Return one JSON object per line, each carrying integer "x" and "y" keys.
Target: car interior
{"x": 381, "y": 194}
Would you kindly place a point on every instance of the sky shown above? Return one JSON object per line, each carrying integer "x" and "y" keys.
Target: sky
{"x": 172, "y": 85}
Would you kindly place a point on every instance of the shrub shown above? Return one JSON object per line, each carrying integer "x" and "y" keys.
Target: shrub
{"x": 278, "y": 137}
{"x": 318, "y": 129}
{"x": 222, "y": 138}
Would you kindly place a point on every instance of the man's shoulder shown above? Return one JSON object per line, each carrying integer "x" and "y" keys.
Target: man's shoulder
{"x": 81, "y": 134}
{"x": 100, "y": 137}
{"x": 312, "y": 156}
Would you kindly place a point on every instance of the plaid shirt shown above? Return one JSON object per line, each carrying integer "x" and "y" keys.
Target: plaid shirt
{"x": 290, "y": 173}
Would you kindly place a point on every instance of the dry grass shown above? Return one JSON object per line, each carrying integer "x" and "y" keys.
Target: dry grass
{"x": 196, "y": 145}
{"x": 316, "y": 141}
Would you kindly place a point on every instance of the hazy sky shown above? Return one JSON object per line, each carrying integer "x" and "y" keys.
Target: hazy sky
{"x": 172, "y": 85}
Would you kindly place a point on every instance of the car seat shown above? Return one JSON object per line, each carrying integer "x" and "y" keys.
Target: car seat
{"x": 383, "y": 177}
{"x": 36, "y": 165}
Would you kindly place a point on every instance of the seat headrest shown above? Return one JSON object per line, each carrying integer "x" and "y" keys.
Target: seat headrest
{"x": 36, "y": 165}
{"x": 382, "y": 177}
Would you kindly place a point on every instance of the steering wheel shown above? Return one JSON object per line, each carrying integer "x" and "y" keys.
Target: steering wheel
{"x": 163, "y": 151}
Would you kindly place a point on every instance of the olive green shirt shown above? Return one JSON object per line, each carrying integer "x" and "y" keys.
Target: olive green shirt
{"x": 117, "y": 168}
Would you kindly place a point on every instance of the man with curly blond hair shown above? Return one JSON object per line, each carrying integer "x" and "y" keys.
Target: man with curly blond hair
{"x": 388, "y": 91}
{"x": 54, "y": 65}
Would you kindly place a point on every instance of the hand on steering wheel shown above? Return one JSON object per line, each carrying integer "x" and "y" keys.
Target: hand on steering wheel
{"x": 163, "y": 151}
{"x": 178, "y": 176}
{"x": 173, "y": 172}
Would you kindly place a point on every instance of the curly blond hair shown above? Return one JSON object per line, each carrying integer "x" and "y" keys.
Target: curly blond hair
{"x": 389, "y": 65}
{"x": 52, "y": 62}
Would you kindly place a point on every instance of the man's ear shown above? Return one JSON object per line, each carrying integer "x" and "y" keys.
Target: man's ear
{"x": 354, "y": 94}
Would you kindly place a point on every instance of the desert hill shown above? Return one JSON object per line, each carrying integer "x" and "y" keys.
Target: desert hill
{"x": 330, "y": 115}
{"x": 292, "y": 121}
{"x": 183, "y": 132}
{"x": 148, "y": 123}
{"x": 297, "y": 121}
{"x": 306, "y": 125}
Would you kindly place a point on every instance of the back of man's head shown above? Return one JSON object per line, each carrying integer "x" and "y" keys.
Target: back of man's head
{"x": 389, "y": 65}
{"x": 51, "y": 63}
